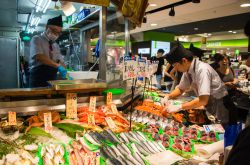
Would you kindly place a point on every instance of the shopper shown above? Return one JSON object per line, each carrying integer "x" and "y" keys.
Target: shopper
{"x": 45, "y": 57}
{"x": 158, "y": 73}
{"x": 169, "y": 77}
{"x": 204, "y": 81}
{"x": 226, "y": 73}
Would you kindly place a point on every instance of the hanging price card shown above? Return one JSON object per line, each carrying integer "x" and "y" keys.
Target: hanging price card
{"x": 129, "y": 68}
{"x": 142, "y": 68}
{"x": 71, "y": 105}
{"x": 91, "y": 119}
{"x": 114, "y": 109}
{"x": 110, "y": 123}
{"x": 92, "y": 103}
{"x": 109, "y": 98}
{"x": 47, "y": 122}
{"x": 12, "y": 118}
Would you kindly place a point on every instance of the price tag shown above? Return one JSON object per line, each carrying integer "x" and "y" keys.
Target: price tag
{"x": 91, "y": 119}
{"x": 47, "y": 122}
{"x": 114, "y": 109}
{"x": 12, "y": 118}
{"x": 130, "y": 67}
{"x": 110, "y": 123}
{"x": 92, "y": 104}
{"x": 71, "y": 105}
{"x": 109, "y": 98}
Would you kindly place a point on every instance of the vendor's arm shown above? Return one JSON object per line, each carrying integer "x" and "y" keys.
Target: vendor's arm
{"x": 198, "y": 102}
{"x": 166, "y": 70}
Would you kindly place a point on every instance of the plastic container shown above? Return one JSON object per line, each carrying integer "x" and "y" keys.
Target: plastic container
{"x": 80, "y": 75}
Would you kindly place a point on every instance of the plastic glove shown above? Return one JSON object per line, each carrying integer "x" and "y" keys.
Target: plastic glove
{"x": 62, "y": 71}
{"x": 172, "y": 108}
{"x": 165, "y": 101}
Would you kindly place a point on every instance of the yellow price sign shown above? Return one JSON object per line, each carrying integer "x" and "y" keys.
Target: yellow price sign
{"x": 110, "y": 123}
{"x": 92, "y": 103}
{"x": 12, "y": 118}
{"x": 114, "y": 109}
{"x": 91, "y": 119}
{"x": 71, "y": 105}
{"x": 47, "y": 122}
{"x": 109, "y": 98}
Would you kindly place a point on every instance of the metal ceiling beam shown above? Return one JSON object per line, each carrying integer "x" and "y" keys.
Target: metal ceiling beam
{"x": 168, "y": 6}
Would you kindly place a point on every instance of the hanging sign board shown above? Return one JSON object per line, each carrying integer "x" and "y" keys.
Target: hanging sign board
{"x": 71, "y": 105}
{"x": 110, "y": 123}
{"x": 114, "y": 109}
{"x": 142, "y": 67}
{"x": 104, "y": 3}
{"x": 129, "y": 68}
{"x": 12, "y": 118}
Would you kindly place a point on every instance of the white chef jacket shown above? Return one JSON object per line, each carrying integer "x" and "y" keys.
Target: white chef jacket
{"x": 40, "y": 45}
{"x": 203, "y": 79}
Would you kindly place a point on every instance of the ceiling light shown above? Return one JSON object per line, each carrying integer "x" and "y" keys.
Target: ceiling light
{"x": 196, "y": 28}
{"x": 172, "y": 12}
{"x": 230, "y": 31}
{"x": 152, "y": 5}
{"x": 245, "y": 5}
{"x": 46, "y": 6}
{"x": 196, "y": 1}
{"x": 234, "y": 32}
{"x": 153, "y": 24}
{"x": 68, "y": 8}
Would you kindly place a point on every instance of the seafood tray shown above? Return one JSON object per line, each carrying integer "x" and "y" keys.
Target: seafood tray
{"x": 77, "y": 84}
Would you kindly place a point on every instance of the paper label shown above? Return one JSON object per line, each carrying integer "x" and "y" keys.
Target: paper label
{"x": 71, "y": 105}
{"x": 12, "y": 118}
{"x": 92, "y": 103}
{"x": 47, "y": 122}
{"x": 214, "y": 127}
{"x": 109, "y": 98}
{"x": 129, "y": 68}
{"x": 110, "y": 123}
{"x": 91, "y": 119}
{"x": 114, "y": 109}
{"x": 142, "y": 68}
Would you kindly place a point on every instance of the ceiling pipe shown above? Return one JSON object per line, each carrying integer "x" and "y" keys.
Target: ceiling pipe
{"x": 168, "y": 6}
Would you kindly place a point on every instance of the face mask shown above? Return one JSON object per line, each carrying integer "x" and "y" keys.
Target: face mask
{"x": 51, "y": 36}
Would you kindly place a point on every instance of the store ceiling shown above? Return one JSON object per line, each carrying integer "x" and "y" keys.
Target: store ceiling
{"x": 185, "y": 14}
{"x": 234, "y": 22}
{"x": 188, "y": 13}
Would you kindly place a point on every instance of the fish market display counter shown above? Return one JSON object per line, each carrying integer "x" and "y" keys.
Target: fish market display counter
{"x": 41, "y": 132}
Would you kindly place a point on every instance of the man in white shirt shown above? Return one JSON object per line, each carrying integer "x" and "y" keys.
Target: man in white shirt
{"x": 204, "y": 81}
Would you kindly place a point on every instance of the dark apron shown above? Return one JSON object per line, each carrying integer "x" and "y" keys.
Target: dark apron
{"x": 39, "y": 76}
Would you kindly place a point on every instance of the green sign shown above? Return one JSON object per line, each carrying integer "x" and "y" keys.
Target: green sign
{"x": 213, "y": 51}
{"x": 237, "y": 51}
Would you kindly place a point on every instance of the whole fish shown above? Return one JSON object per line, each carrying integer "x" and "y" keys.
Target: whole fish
{"x": 112, "y": 135}
{"x": 132, "y": 159}
{"x": 117, "y": 152}
{"x": 124, "y": 137}
{"x": 142, "y": 150}
{"x": 121, "y": 160}
{"x": 120, "y": 148}
{"x": 109, "y": 162}
{"x": 134, "y": 136}
{"x": 115, "y": 161}
{"x": 149, "y": 147}
{"x": 145, "y": 148}
{"x": 141, "y": 134}
{"x": 131, "y": 139}
{"x": 96, "y": 137}
{"x": 138, "y": 158}
{"x": 91, "y": 140}
{"x": 125, "y": 148}
{"x": 104, "y": 153}
{"x": 158, "y": 146}
{"x": 111, "y": 152}
{"x": 153, "y": 147}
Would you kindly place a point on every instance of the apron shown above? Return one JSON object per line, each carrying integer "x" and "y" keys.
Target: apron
{"x": 215, "y": 106}
{"x": 40, "y": 75}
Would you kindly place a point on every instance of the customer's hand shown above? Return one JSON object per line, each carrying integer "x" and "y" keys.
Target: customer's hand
{"x": 62, "y": 71}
